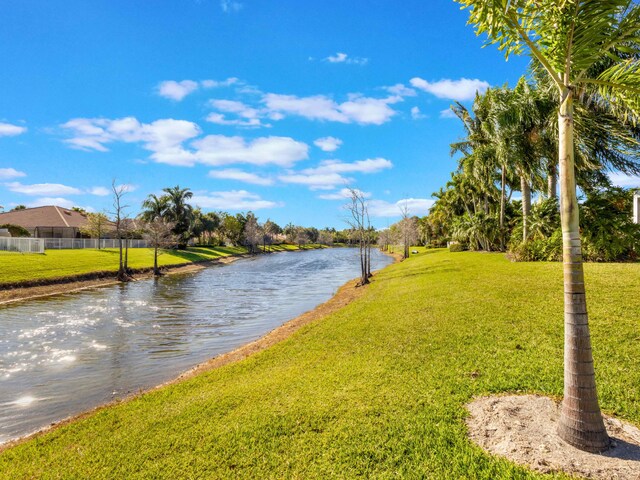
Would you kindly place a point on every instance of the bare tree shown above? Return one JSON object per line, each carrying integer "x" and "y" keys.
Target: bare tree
{"x": 408, "y": 230}
{"x": 361, "y": 226}
{"x": 159, "y": 233}
{"x": 384, "y": 239}
{"x": 120, "y": 215}
{"x": 252, "y": 233}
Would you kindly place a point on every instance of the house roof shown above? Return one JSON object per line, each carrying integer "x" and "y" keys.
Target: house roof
{"x": 49, "y": 216}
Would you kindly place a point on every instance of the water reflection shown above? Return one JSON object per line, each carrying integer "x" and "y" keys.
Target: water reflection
{"x": 66, "y": 354}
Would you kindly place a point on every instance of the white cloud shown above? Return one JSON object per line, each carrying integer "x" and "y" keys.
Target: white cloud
{"x": 328, "y": 175}
{"x": 220, "y": 119}
{"x": 164, "y": 137}
{"x": 235, "y": 200}
{"x": 358, "y": 109}
{"x": 328, "y": 144}
{"x": 221, "y": 150}
{"x": 447, "y": 113}
{"x": 57, "y": 201}
{"x": 250, "y": 116}
{"x": 416, "y": 114}
{"x": 229, "y": 6}
{"x": 234, "y": 174}
{"x": 43, "y": 189}
{"x": 219, "y": 83}
{"x": 165, "y": 140}
{"x": 463, "y": 89}
{"x": 316, "y": 107}
{"x": 370, "y": 165}
{"x": 415, "y": 206}
{"x": 7, "y": 173}
{"x": 177, "y": 90}
{"x": 100, "y": 191}
{"x": 9, "y": 130}
{"x": 315, "y": 181}
{"x": 343, "y": 194}
{"x": 366, "y": 110}
{"x": 401, "y": 90}
{"x": 341, "y": 57}
{"x": 622, "y": 180}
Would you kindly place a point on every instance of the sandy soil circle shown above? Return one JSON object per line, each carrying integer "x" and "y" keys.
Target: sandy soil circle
{"x": 522, "y": 428}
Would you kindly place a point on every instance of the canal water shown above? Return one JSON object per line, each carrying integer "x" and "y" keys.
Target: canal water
{"x": 66, "y": 354}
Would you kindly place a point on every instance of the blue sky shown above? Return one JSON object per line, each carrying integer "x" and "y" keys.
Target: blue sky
{"x": 274, "y": 106}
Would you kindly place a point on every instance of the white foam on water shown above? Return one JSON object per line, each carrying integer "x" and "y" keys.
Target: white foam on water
{"x": 98, "y": 346}
{"x": 67, "y": 359}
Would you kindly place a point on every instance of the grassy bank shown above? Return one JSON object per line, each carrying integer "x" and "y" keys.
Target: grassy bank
{"x": 18, "y": 267}
{"x": 376, "y": 390}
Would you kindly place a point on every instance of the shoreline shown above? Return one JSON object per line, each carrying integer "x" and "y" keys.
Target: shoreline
{"x": 99, "y": 279}
{"x": 345, "y": 294}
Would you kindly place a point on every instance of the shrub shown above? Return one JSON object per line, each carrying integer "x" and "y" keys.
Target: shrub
{"x": 457, "y": 247}
{"x": 16, "y": 230}
{"x": 540, "y": 249}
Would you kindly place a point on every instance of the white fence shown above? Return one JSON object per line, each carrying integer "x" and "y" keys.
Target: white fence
{"x": 72, "y": 243}
{"x": 24, "y": 245}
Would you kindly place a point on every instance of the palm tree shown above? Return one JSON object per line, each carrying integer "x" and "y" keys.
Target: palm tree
{"x": 589, "y": 49}
{"x": 154, "y": 207}
{"x": 179, "y": 212}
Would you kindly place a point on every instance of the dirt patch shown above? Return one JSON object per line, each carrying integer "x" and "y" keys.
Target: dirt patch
{"x": 55, "y": 286}
{"x": 522, "y": 428}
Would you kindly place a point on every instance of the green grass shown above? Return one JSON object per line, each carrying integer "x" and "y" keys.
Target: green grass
{"x": 16, "y": 267}
{"x": 286, "y": 247}
{"x": 376, "y": 390}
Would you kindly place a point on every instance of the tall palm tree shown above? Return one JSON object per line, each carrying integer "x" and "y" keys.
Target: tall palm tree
{"x": 179, "y": 211}
{"x": 589, "y": 49}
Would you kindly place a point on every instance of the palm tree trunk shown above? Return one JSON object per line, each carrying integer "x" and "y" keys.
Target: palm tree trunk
{"x": 156, "y": 270}
{"x": 503, "y": 186}
{"x": 526, "y": 205}
{"x": 580, "y": 423}
{"x": 552, "y": 181}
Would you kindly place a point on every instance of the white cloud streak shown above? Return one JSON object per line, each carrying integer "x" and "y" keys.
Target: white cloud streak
{"x": 235, "y": 200}
{"x": 341, "y": 57}
{"x": 9, "y": 173}
{"x": 329, "y": 174}
{"x": 415, "y": 206}
{"x": 461, "y": 90}
{"x": 358, "y": 109}
{"x": 43, "y": 189}
{"x": 241, "y": 176}
{"x": 9, "y": 130}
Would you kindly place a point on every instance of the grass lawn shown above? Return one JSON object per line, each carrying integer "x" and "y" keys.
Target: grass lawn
{"x": 375, "y": 390}
{"x": 16, "y": 267}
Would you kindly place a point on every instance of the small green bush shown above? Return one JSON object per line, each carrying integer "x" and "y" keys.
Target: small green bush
{"x": 457, "y": 247}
